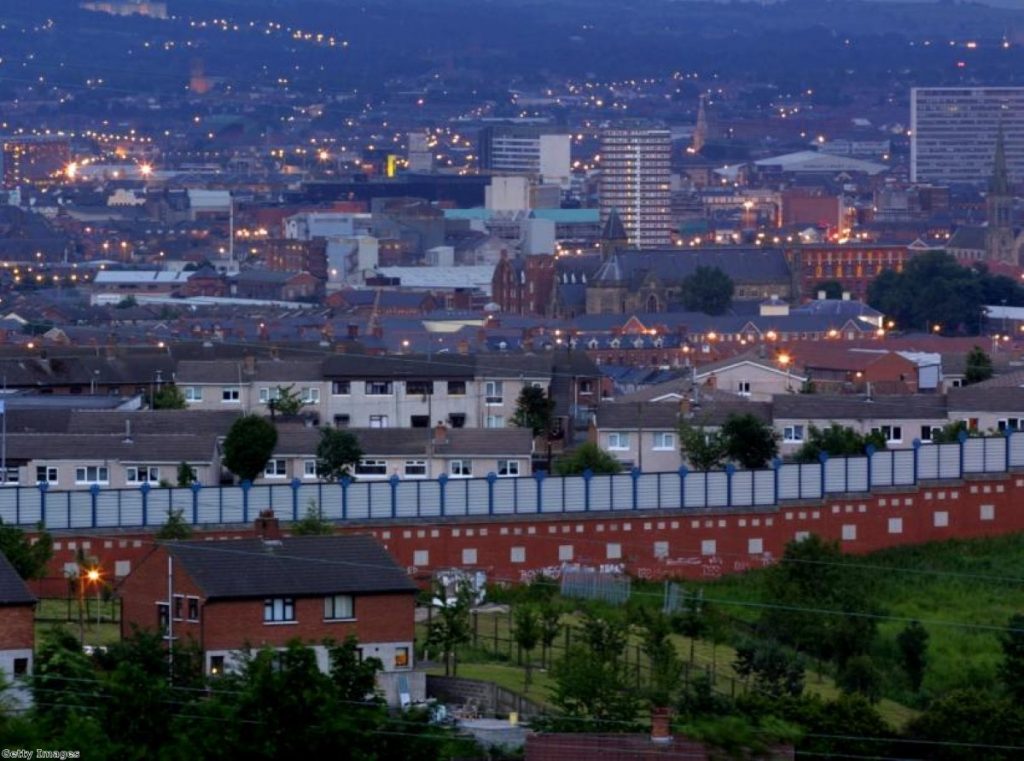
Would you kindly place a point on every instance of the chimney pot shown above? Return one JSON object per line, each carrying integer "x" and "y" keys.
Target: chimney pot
{"x": 268, "y": 528}
{"x": 440, "y": 433}
{"x": 660, "y": 725}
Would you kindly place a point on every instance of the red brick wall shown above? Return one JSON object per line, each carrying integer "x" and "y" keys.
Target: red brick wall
{"x": 17, "y": 627}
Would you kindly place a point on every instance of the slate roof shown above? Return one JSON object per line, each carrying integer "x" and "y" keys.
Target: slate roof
{"x": 169, "y": 448}
{"x": 825, "y": 407}
{"x": 145, "y": 422}
{"x": 663, "y": 416}
{"x": 460, "y": 442}
{"x": 970, "y": 238}
{"x": 12, "y": 588}
{"x": 298, "y": 566}
{"x": 987, "y": 398}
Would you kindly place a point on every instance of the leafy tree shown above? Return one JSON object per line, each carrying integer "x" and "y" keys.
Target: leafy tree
{"x": 186, "y": 474}
{"x": 666, "y": 666}
{"x": 961, "y": 719}
{"x": 950, "y": 433}
{"x": 588, "y": 456}
{"x": 979, "y": 366}
{"x": 703, "y": 449}
{"x": 707, "y": 290}
{"x": 353, "y": 676}
{"x": 836, "y": 441}
{"x": 861, "y": 675}
{"x": 1011, "y": 670}
{"x": 248, "y": 446}
{"x": 749, "y": 441}
{"x": 833, "y": 289}
{"x": 287, "y": 401}
{"x": 912, "y": 643}
{"x": 63, "y": 680}
{"x": 526, "y": 631}
{"x": 313, "y": 522}
{"x": 450, "y": 623}
{"x": 337, "y": 453}
{"x": 774, "y": 671}
{"x": 550, "y": 626}
{"x": 534, "y": 410}
{"x": 169, "y": 397}
{"x": 175, "y": 527}
{"x": 691, "y": 621}
{"x": 30, "y": 559}
{"x": 127, "y": 303}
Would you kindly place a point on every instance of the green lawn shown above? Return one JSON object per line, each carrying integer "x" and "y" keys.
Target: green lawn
{"x": 101, "y": 627}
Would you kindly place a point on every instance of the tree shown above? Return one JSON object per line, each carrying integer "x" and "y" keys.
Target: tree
{"x": 248, "y": 446}
{"x": 836, "y": 441}
{"x": 702, "y": 449}
{"x": 979, "y": 366}
{"x": 313, "y": 522}
{"x": 186, "y": 474}
{"x": 956, "y": 722}
{"x": 833, "y": 289}
{"x": 950, "y": 432}
{"x": 450, "y": 624}
{"x": 912, "y": 643}
{"x": 286, "y": 401}
{"x": 666, "y": 666}
{"x": 860, "y": 675}
{"x": 337, "y": 453}
{"x": 169, "y": 397}
{"x": 588, "y": 456}
{"x": 175, "y": 527}
{"x": 30, "y": 559}
{"x": 550, "y": 626}
{"x": 526, "y": 631}
{"x": 749, "y": 441}
{"x": 774, "y": 671}
{"x": 707, "y": 290}
{"x": 127, "y": 302}
{"x": 1011, "y": 670}
{"x": 534, "y": 410}
{"x": 690, "y": 621}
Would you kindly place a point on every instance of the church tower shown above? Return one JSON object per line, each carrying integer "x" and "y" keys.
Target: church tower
{"x": 999, "y": 235}
{"x": 613, "y": 235}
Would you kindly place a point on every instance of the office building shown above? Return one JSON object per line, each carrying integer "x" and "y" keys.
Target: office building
{"x": 538, "y": 152}
{"x": 34, "y": 159}
{"x": 954, "y": 129}
{"x": 635, "y": 180}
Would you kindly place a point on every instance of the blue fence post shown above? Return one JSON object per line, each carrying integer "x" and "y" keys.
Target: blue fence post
{"x": 962, "y": 439}
{"x": 822, "y": 459}
{"x": 539, "y": 476}
{"x": 916, "y": 444}
{"x": 776, "y": 466}
{"x": 345, "y": 482}
{"x": 246, "y": 485}
{"x": 869, "y": 450}
{"x": 1009, "y": 437}
{"x": 94, "y": 492}
{"x": 393, "y": 481}
{"x": 683, "y": 472}
{"x": 442, "y": 483}
{"x": 42, "y": 501}
{"x": 587, "y": 475}
{"x": 144, "y": 491}
{"x": 196, "y": 488}
{"x": 730, "y": 469}
{"x": 296, "y": 484}
{"x": 634, "y": 473}
{"x": 491, "y": 478}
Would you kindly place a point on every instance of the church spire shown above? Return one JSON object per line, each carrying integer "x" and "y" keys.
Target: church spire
{"x": 1000, "y": 182}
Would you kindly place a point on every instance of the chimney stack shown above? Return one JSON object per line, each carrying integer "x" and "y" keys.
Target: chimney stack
{"x": 353, "y": 330}
{"x": 268, "y": 528}
{"x": 462, "y": 346}
{"x": 440, "y": 433}
{"x": 660, "y": 725}
{"x": 249, "y": 364}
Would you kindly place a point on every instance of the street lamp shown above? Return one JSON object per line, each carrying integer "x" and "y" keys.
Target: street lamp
{"x": 92, "y": 576}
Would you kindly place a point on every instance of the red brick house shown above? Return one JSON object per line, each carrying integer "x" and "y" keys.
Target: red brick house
{"x": 17, "y": 630}
{"x": 268, "y": 591}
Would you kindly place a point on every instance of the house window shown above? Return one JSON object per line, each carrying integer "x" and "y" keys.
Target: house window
{"x": 508, "y": 468}
{"x": 162, "y": 616}
{"x": 928, "y": 432}
{"x": 378, "y": 388}
{"x": 46, "y": 474}
{"x": 193, "y": 609}
{"x": 415, "y": 468}
{"x": 20, "y": 667}
{"x": 586, "y": 387}
{"x": 1009, "y": 424}
{"x": 311, "y": 395}
{"x": 793, "y": 433}
{"x": 193, "y": 394}
{"x": 12, "y": 475}
{"x": 494, "y": 392}
{"x": 142, "y": 474}
{"x": 378, "y": 421}
{"x": 893, "y": 434}
{"x": 494, "y": 421}
{"x": 419, "y": 421}
{"x": 517, "y": 555}
{"x": 456, "y": 388}
{"x": 664, "y": 442}
{"x": 401, "y": 657}
{"x": 309, "y": 469}
{"x": 421, "y": 558}
{"x": 230, "y": 395}
{"x": 469, "y": 556}
{"x": 276, "y": 469}
{"x": 341, "y": 388}
{"x": 419, "y": 387}
{"x": 216, "y": 665}
{"x": 618, "y": 441}
{"x": 342, "y": 421}
{"x": 339, "y": 607}
{"x": 743, "y": 388}
{"x": 957, "y": 383}
{"x": 92, "y": 474}
{"x": 270, "y": 394}
{"x": 278, "y": 609}
{"x": 179, "y": 607}
{"x": 372, "y": 468}
{"x": 457, "y": 419}
{"x": 461, "y": 469}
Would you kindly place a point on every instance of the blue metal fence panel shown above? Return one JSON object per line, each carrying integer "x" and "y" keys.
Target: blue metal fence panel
{"x": 622, "y": 492}
{"x": 928, "y": 462}
{"x": 881, "y": 469}
{"x": 551, "y": 495}
{"x": 974, "y": 456}
{"x": 995, "y": 454}
{"x": 810, "y": 481}
{"x": 835, "y": 475}
{"x": 527, "y": 496}
{"x": 9, "y": 511}
{"x": 718, "y": 489}
{"x": 949, "y": 461}
{"x": 742, "y": 491}
{"x": 764, "y": 487}
{"x": 1017, "y": 450}
{"x": 476, "y": 497}
{"x": 231, "y": 504}
{"x": 648, "y": 491}
{"x": 575, "y": 495}
{"x": 696, "y": 490}
{"x": 789, "y": 482}
{"x": 601, "y": 493}
{"x": 903, "y": 467}
{"x": 79, "y": 509}
{"x": 505, "y": 496}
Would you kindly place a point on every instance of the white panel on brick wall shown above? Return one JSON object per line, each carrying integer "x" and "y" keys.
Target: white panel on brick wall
{"x": 949, "y": 461}
{"x": 477, "y": 499}
{"x": 995, "y": 455}
{"x": 974, "y": 455}
{"x": 504, "y": 496}
{"x": 903, "y": 467}
{"x": 928, "y": 462}
{"x": 764, "y": 487}
{"x": 575, "y": 495}
{"x": 694, "y": 490}
{"x": 647, "y": 491}
{"x": 835, "y": 475}
{"x": 743, "y": 487}
{"x": 789, "y": 482}
{"x": 622, "y": 492}
{"x": 718, "y": 489}
{"x": 551, "y": 495}
{"x": 810, "y": 480}
{"x": 601, "y": 493}
{"x": 358, "y": 500}
{"x": 881, "y": 469}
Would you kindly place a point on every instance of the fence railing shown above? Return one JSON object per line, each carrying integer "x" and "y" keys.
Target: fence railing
{"x": 446, "y": 497}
